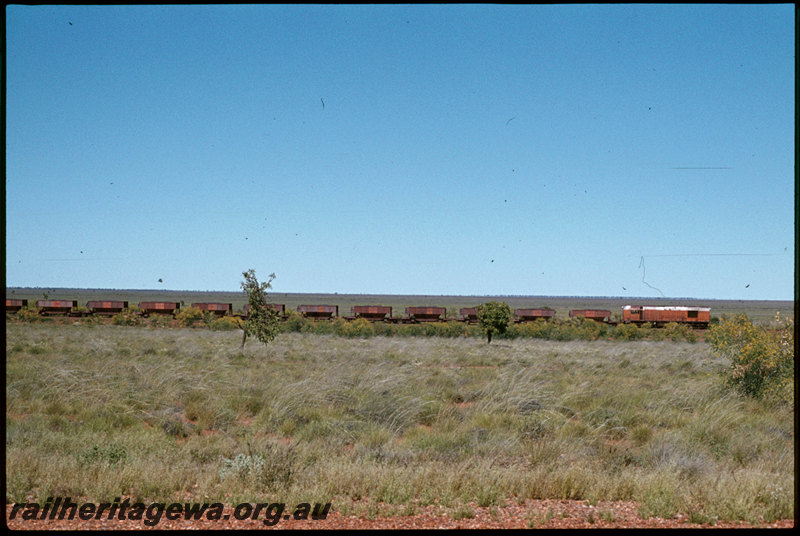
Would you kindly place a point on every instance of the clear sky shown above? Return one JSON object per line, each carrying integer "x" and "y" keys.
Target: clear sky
{"x": 592, "y": 150}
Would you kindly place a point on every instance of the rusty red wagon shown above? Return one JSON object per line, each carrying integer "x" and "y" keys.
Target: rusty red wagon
{"x": 319, "y": 312}
{"x": 56, "y": 307}
{"x": 530, "y": 315}
{"x": 279, "y": 308}
{"x": 106, "y": 307}
{"x": 469, "y": 315}
{"x": 426, "y": 314}
{"x": 598, "y": 315}
{"x": 373, "y": 313}
{"x": 218, "y": 309}
{"x": 12, "y": 306}
{"x": 158, "y": 307}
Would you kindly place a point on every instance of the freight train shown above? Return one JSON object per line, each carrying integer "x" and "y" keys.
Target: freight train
{"x": 655, "y": 316}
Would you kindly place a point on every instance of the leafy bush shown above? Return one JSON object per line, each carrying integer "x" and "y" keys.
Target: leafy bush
{"x": 294, "y": 323}
{"x": 297, "y": 323}
{"x": 762, "y": 359}
{"x": 659, "y": 334}
{"x": 384, "y": 329}
{"x": 326, "y": 327}
{"x": 187, "y": 317}
{"x": 538, "y": 329}
{"x": 360, "y": 327}
{"x": 673, "y": 331}
{"x": 262, "y": 322}
{"x": 629, "y": 332}
{"x": 160, "y": 320}
{"x": 128, "y": 317}
{"x": 241, "y": 466}
{"x": 92, "y": 319}
{"x": 28, "y": 314}
{"x": 457, "y": 329}
{"x": 410, "y": 330}
{"x": 274, "y": 467}
{"x": 493, "y": 318}
{"x": 433, "y": 329}
{"x": 581, "y": 328}
{"x": 225, "y": 323}
{"x": 678, "y": 332}
{"x": 110, "y": 454}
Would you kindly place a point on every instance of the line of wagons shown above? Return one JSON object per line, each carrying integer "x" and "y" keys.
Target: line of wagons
{"x": 656, "y": 316}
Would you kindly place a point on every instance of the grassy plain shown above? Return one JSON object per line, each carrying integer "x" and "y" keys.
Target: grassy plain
{"x": 758, "y": 311}
{"x": 102, "y": 411}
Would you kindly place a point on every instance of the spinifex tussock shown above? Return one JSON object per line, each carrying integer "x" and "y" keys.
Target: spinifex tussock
{"x": 163, "y": 414}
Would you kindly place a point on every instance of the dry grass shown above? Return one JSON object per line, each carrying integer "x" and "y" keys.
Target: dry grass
{"x": 103, "y": 411}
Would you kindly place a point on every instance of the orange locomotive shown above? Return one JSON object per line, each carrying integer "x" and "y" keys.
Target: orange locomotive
{"x": 660, "y": 316}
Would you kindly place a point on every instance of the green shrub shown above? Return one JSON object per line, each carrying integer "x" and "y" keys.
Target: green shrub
{"x": 91, "y": 319}
{"x": 493, "y": 318}
{"x": 384, "y": 329}
{"x": 109, "y": 454}
{"x": 187, "y": 317}
{"x": 241, "y": 466}
{"x": 436, "y": 329}
{"x": 691, "y": 336}
{"x": 275, "y": 465}
{"x": 410, "y": 330}
{"x": 455, "y": 329}
{"x": 679, "y": 332}
{"x": 128, "y": 317}
{"x": 160, "y": 321}
{"x": 538, "y": 329}
{"x": 326, "y": 327}
{"x": 578, "y": 328}
{"x": 762, "y": 359}
{"x": 28, "y": 314}
{"x": 295, "y": 323}
{"x": 225, "y": 323}
{"x": 629, "y": 332}
{"x": 659, "y": 334}
{"x": 588, "y": 329}
{"x": 360, "y": 327}
{"x": 262, "y": 322}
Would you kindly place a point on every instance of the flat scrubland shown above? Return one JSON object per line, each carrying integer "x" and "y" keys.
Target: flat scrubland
{"x": 99, "y": 411}
{"x": 758, "y": 311}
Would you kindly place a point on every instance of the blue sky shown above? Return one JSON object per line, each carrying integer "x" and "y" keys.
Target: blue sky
{"x": 594, "y": 150}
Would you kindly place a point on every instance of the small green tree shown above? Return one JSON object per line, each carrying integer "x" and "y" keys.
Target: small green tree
{"x": 762, "y": 358}
{"x": 262, "y": 322}
{"x": 493, "y": 317}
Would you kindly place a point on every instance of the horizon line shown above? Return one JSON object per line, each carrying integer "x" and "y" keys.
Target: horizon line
{"x": 406, "y": 294}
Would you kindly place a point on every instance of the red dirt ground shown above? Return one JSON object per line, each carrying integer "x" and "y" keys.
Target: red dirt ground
{"x": 531, "y": 514}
